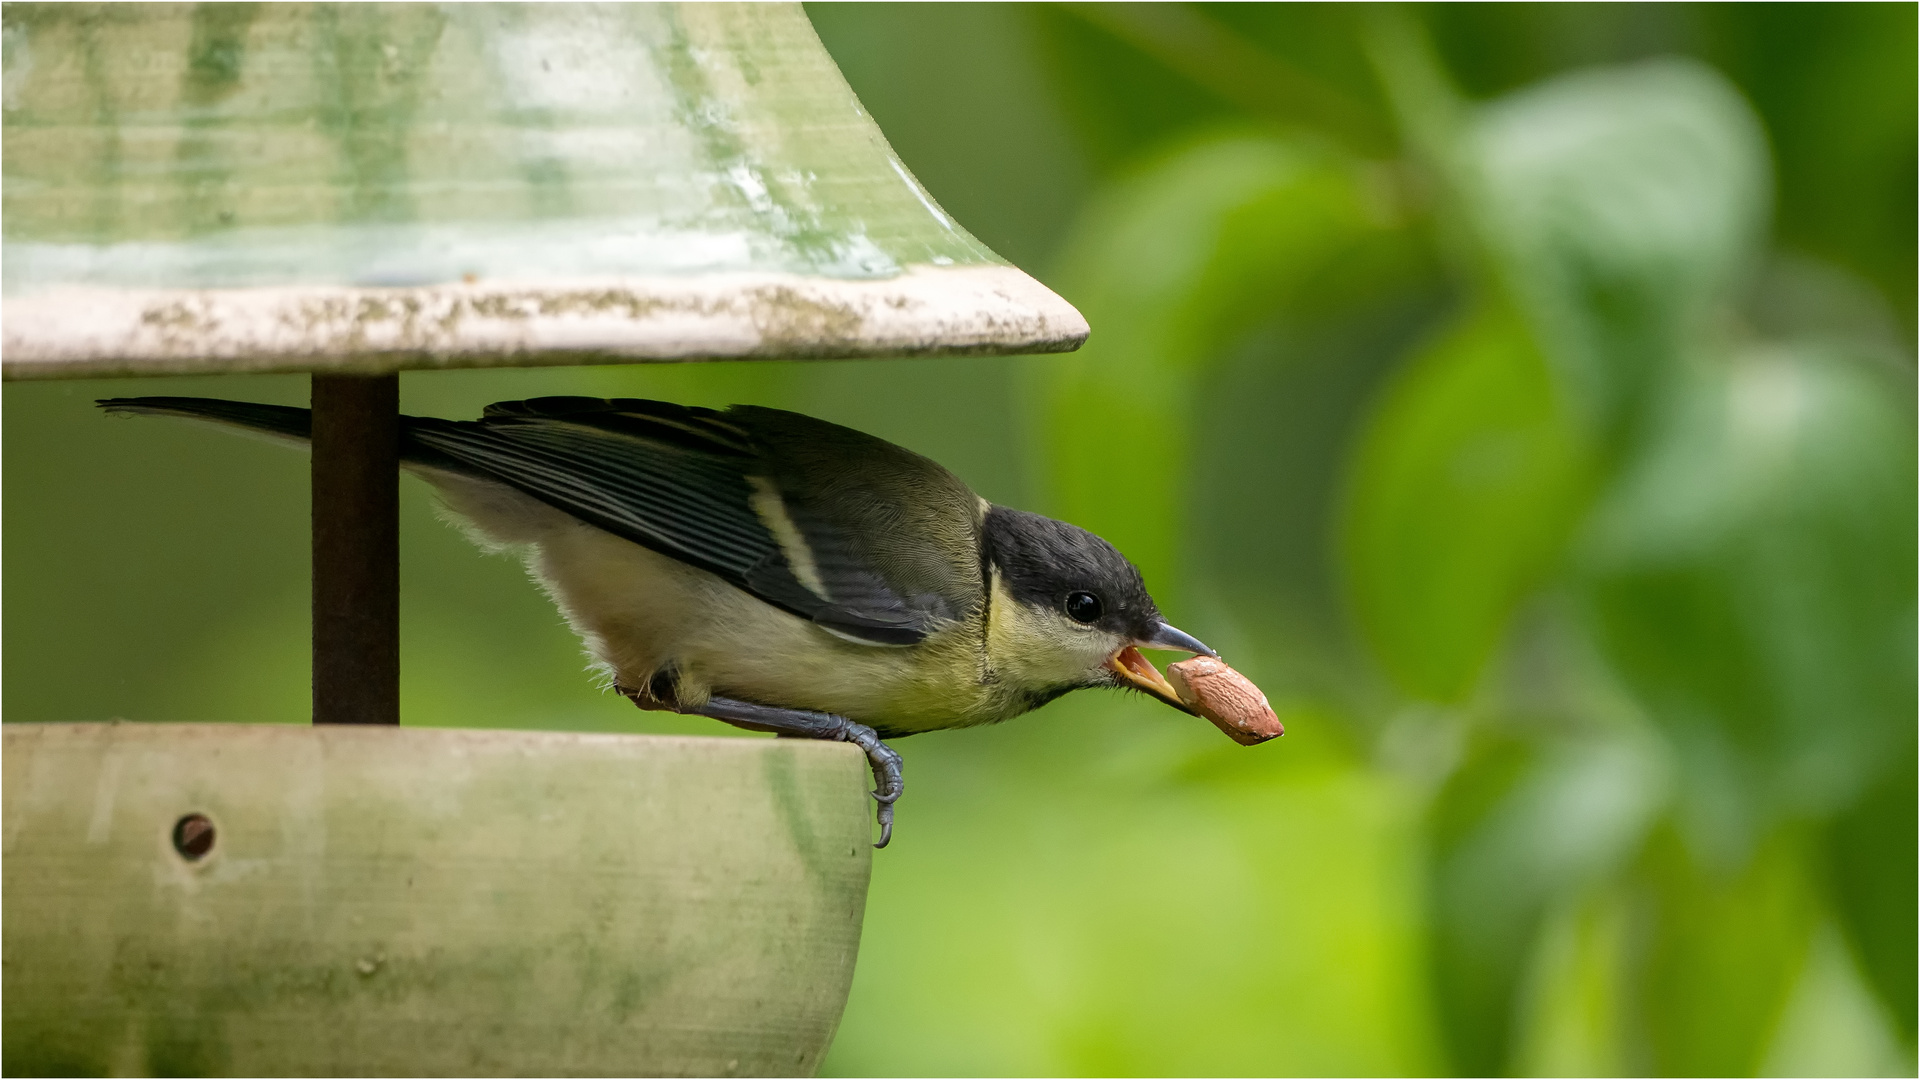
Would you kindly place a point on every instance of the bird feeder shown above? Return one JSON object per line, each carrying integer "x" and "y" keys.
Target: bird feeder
{"x": 357, "y": 190}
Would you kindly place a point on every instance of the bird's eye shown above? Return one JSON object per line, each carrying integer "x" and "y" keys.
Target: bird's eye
{"x": 1083, "y": 607}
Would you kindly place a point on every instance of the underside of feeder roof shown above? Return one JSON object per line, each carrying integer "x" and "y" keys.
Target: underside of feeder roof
{"x": 229, "y": 187}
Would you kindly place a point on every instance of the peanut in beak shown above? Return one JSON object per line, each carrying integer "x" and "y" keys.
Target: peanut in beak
{"x": 1226, "y": 697}
{"x": 1206, "y": 687}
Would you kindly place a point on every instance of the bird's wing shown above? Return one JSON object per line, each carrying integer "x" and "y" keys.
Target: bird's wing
{"x": 882, "y": 524}
{"x": 711, "y": 490}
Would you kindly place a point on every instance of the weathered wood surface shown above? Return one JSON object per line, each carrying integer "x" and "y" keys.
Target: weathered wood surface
{"x": 426, "y": 902}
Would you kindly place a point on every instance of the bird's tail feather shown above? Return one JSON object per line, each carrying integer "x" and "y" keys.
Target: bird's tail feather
{"x": 281, "y": 422}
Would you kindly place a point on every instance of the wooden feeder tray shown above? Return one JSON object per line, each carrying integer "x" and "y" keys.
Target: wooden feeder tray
{"x": 264, "y": 900}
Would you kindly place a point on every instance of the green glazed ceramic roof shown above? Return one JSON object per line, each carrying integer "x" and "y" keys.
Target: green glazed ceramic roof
{"x": 201, "y": 176}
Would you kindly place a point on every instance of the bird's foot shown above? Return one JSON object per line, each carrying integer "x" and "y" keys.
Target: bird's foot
{"x": 889, "y": 785}
{"x": 800, "y": 723}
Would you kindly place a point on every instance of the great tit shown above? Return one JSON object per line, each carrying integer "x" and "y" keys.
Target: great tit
{"x": 775, "y": 571}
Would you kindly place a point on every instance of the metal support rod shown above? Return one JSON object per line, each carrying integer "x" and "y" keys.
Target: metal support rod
{"x": 356, "y": 549}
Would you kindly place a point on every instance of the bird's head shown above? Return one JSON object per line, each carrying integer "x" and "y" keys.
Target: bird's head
{"x": 1070, "y": 612}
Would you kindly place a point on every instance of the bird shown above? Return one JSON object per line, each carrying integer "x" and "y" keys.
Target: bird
{"x": 774, "y": 571}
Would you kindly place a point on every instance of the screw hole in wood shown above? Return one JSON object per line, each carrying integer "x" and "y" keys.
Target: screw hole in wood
{"x": 193, "y": 837}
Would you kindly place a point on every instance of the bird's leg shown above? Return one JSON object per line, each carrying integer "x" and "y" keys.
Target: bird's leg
{"x": 800, "y": 723}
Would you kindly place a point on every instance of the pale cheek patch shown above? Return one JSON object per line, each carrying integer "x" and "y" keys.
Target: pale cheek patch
{"x": 1032, "y": 647}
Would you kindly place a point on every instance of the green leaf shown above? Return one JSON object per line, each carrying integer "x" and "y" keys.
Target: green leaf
{"x": 1724, "y": 954}
{"x": 1462, "y": 491}
{"x": 1623, "y": 206}
{"x": 1752, "y": 581}
{"x": 1577, "y": 1003}
{"x": 1522, "y": 828}
{"x": 1871, "y": 851}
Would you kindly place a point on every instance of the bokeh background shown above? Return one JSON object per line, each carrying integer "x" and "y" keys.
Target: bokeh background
{"x": 1523, "y": 395}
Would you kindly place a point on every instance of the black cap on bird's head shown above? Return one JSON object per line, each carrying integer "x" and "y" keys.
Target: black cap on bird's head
{"x": 1086, "y": 601}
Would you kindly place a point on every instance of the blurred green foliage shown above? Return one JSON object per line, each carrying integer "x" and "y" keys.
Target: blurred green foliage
{"x": 1523, "y": 395}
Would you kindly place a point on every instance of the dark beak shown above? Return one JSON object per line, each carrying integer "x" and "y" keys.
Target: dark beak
{"x": 1168, "y": 637}
{"x": 1136, "y": 670}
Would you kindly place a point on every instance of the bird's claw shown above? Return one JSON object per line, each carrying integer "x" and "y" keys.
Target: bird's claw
{"x": 891, "y": 785}
{"x": 883, "y": 813}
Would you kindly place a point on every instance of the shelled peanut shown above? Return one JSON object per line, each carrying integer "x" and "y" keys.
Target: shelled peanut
{"x": 1226, "y": 697}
